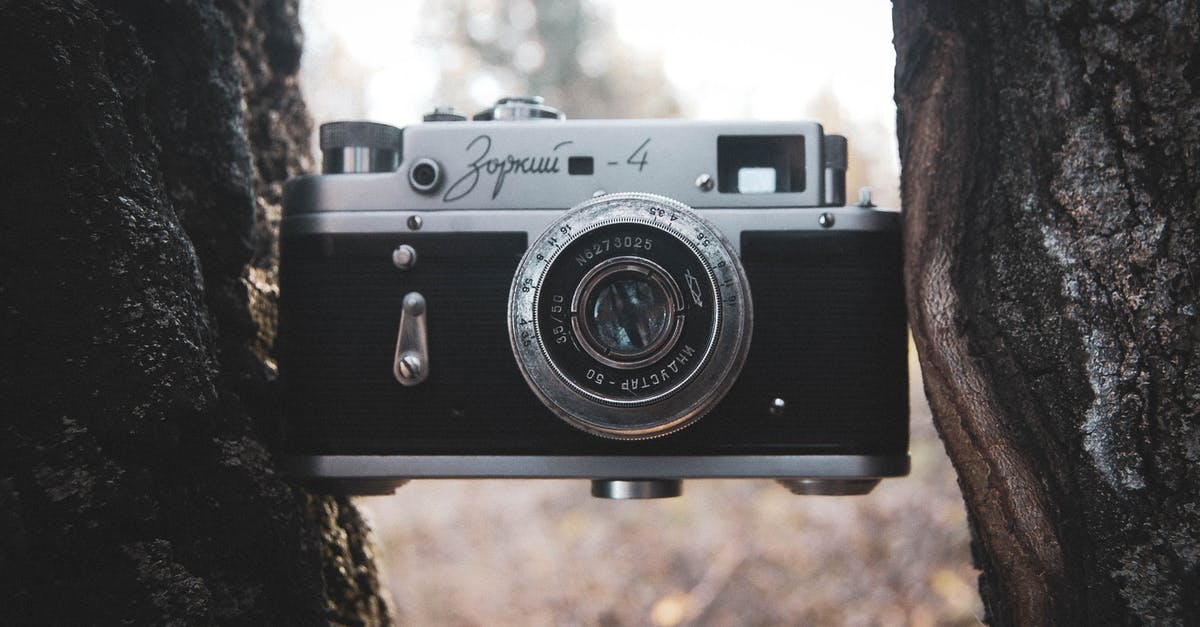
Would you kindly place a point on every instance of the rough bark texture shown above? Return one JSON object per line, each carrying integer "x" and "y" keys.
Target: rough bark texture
{"x": 144, "y": 146}
{"x": 1051, "y": 185}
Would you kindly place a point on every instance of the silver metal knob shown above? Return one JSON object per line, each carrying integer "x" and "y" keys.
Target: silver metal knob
{"x": 520, "y": 108}
{"x": 636, "y": 488}
{"x": 404, "y": 257}
{"x": 830, "y": 487}
{"x": 359, "y": 147}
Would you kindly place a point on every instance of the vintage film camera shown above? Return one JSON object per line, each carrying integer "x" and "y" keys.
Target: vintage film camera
{"x": 634, "y": 302}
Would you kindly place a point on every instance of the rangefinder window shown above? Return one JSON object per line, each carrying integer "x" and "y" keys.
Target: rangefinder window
{"x": 760, "y": 164}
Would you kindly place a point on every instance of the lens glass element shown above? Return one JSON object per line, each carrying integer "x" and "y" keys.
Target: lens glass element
{"x": 627, "y": 310}
{"x": 628, "y": 314}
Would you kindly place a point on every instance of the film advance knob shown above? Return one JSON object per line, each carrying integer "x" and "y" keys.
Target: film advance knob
{"x": 359, "y": 147}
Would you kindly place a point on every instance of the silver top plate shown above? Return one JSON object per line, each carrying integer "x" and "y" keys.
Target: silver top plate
{"x": 526, "y": 165}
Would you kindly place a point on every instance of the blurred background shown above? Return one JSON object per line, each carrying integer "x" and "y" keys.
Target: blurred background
{"x": 727, "y": 552}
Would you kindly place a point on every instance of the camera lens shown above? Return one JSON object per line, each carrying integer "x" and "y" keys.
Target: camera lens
{"x": 630, "y": 316}
{"x": 625, "y": 310}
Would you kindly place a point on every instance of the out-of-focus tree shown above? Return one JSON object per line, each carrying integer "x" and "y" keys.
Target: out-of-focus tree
{"x": 565, "y": 51}
{"x": 1051, "y": 188}
{"x": 137, "y": 480}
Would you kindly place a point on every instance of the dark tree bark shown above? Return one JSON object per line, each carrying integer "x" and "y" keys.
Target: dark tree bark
{"x": 1051, "y": 188}
{"x": 144, "y": 145}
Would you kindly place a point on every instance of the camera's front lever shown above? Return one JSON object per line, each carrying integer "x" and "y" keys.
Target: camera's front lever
{"x": 412, "y": 345}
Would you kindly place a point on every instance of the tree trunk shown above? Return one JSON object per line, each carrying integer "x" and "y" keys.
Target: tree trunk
{"x": 143, "y": 146}
{"x": 1051, "y": 188}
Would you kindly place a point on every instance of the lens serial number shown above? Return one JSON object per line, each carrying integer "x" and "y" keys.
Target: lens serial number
{"x": 602, "y": 247}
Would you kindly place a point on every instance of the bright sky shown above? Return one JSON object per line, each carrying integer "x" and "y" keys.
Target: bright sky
{"x": 767, "y": 59}
{"x": 763, "y": 59}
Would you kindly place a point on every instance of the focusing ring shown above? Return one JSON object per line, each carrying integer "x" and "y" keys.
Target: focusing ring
{"x": 649, "y": 247}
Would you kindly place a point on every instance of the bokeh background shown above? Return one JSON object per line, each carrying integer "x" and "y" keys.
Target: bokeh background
{"x": 727, "y": 552}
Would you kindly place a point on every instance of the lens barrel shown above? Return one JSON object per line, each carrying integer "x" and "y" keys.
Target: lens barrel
{"x": 630, "y": 317}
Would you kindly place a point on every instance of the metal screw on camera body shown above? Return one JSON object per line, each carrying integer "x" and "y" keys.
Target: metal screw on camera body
{"x": 777, "y": 407}
{"x": 410, "y": 368}
{"x": 404, "y": 257}
{"x": 826, "y": 220}
{"x": 705, "y": 182}
{"x": 415, "y": 222}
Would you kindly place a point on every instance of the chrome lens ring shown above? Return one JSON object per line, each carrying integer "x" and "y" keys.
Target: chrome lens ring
{"x": 674, "y": 373}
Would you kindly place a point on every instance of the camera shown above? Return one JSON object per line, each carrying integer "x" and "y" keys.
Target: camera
{"x": 634, "y": 302}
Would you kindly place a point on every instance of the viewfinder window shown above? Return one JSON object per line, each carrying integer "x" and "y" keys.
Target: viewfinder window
{"x": 760, "y": 164}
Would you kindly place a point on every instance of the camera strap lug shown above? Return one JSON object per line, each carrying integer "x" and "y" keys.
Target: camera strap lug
{"x": 411, "y": 365}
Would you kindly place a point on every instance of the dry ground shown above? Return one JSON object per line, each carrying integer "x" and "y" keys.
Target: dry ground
{"x": 726, "y": 553}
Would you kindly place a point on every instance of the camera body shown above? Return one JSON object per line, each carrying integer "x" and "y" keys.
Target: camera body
{"x": 634, "y": 302}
